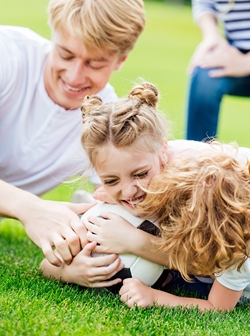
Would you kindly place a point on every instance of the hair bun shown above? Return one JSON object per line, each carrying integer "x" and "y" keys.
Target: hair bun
{"x": 89, "y": 104}
{"x": 146, "y": 93}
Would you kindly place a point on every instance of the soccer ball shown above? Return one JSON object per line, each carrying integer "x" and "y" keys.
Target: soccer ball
{"x": 150, "y": 273}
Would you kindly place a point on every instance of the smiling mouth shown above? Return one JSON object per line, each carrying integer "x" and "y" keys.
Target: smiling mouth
{"x": 71, "y": 88}
{"x": 135, "y": 201}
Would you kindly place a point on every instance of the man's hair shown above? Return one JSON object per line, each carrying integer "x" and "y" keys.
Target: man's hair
{"x": 112, "y": 25}
{"x": 127, "y": 122}
{"x": 202, "y": 204}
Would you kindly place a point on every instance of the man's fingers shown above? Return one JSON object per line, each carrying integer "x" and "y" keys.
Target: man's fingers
{"x": 63, "y": 249}
{"x": 80, "y": 208}
{"x": 73, "y": 242}
{"x": 81, "y": 231}
{"x": 100, "y": 195}
{"x": 50, "y": 254}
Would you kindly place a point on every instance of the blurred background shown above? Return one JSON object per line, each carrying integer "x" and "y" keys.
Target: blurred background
{"x": 161, "y": 56}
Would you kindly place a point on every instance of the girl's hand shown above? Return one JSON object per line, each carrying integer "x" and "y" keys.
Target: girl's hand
{"x": 86, "y": 270}
{"x": 113, "y": 234}
{"x": 135, "y": 292}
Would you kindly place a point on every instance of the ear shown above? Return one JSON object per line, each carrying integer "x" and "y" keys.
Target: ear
{"x": 121, "y": 62}
{"x": 164, "y": 152}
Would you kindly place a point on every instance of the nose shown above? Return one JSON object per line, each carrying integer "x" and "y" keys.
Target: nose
{"x": 76, "y": 73}
{"x": 129, "y": 190}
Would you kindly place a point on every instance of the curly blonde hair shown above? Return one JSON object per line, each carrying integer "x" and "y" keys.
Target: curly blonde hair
{"x": 127, "y": 121}
{"x": 202, "y": 203}
{"x": 112, "y": 25}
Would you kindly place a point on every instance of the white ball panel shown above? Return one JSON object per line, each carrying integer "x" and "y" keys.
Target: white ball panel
{"x": 114, "y": 208}
{"x": 146, "y": 271}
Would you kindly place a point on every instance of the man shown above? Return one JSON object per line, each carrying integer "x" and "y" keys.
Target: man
{"x": 42, "y": 84}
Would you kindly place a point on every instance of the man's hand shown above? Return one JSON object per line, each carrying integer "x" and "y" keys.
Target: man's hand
{"x": 101, "y": 195}
{"x": 49, "y": 224}
{"x": 56, "y": 224}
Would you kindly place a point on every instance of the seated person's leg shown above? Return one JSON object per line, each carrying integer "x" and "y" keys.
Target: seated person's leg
{"x": 205, "y": 95}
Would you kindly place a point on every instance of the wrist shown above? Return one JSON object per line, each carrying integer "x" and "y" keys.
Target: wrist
{"x": 141, "y": 243}
{"x": 25, "y": 205}
{"x": 15, "y": 201}
{"x": 209, "y": 26}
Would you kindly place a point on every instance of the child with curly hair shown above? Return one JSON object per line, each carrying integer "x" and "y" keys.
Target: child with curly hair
{"x": 202, "y": 206}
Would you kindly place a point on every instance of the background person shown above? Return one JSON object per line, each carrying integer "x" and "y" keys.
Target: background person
{"x": 42, "y": 85}
{"x": 220, "y": 65}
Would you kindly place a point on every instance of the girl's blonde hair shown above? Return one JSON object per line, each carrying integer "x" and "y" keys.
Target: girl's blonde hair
{"x": 111, "y": 25}
{"x": 202, "y": 203}
{"x": 124, "y": 122}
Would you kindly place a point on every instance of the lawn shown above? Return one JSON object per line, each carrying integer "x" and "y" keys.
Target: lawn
{"x": 33, "y": 305}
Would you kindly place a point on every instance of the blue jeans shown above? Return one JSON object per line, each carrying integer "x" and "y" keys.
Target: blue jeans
{"x": 204, "y": 99}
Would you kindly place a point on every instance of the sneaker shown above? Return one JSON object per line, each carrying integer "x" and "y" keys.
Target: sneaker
{"x": 82, "y": 196}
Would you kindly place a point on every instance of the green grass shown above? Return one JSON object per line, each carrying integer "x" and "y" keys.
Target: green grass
{"x": 33, "y": 305}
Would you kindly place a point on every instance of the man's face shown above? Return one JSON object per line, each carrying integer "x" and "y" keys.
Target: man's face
{"x": 71, "y": 72}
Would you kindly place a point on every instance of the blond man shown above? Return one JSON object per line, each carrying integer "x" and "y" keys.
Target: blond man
{"x": 42, "y": 84}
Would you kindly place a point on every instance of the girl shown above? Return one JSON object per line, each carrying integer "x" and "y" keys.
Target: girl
{"x": 202, "y": 205}
{"x": 126, "y": 144}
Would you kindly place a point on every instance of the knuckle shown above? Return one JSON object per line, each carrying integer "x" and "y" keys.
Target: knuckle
{"x": 61, "y": 244}
{"x": 73, "y": 239}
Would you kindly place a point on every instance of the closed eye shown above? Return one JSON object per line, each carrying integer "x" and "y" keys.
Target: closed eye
{"x": 141, "y": 175}
{"x": 95, "y": 65}
{"x": 110, "y": 182}
{"x": 66, "y": 56}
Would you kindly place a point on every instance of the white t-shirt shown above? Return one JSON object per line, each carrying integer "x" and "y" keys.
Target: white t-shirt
{"x": 188, "y": 147}
{"x": 235, "y": 280}
{"x": 39, "y": 140}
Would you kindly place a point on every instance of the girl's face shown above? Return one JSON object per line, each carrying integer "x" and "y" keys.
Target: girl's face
{"x": 122, "y": 172}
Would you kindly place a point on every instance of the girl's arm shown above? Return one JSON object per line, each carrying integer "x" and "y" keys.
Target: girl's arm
{"x": 116, "y": 235}
{"x": 134, "y": 292}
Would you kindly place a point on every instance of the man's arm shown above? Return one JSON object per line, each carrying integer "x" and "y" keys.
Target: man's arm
{"x": 47, "y": 223}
